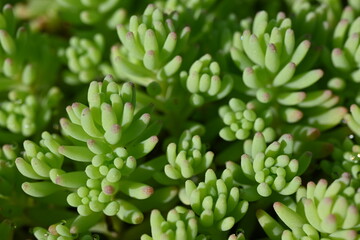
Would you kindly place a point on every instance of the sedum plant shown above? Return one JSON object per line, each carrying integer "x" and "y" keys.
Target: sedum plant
{"x": 269, "y": 168}
{"x": 180, "y": 223}
{"x": 275, "y": 74}
{"x": 67, "y": 229}
{"x": 341, "y": 55}
{"x": 241, "y": 122}
{"x": 317, "y": 18}
{"x": 353, "y": 119}
{"x": 345, "y": 157}
{"x": 204, "y": 83}
{"x": 95, "y": 186}
{"x": 84, "y": 56}
{"x": 93, "y": 12}
{"x": 25, "y": 79}
{"x": 179, "y": 120}
{"x": 150, "y": 47}
{"x": 188, "y": 158}
{"x": 322, "y": 211}
{"x": 217, "y": 202}
{"x": 110, "y": 147}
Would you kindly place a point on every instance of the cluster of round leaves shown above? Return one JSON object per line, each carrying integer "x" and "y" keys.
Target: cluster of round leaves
{"x": 114, "y": 136}
{"x": 341, "y": 56}
{"x": 344, "y": 56}
{"x": 31, "y": 100}
{"x": 180, "y": 223}
{"x": 37, "y": 163}
{"x": 270, "y": 72}
{"x": 277, "y": 75}
{"x": 346, "y": 159}
{"x": 217, "y": 202}
{"x": 105, "y": 138}
{"x": 24, "y": 113}
{"x": 269, "y": 168}
{"x": 68, "y": 230}
{"x": 84, "y": 59}
{"x": 150, "y": 45}
{"x": 241, "y": 121}
{"x": 321, "y": 211}
{"x": 188, "y": 158}
{"x": 96, "y": 12}
{"x": 204, "y": 83}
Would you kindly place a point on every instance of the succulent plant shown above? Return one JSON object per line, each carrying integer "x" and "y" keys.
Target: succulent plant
{"x": 269, "y": 168}
{"x": 242, "y": 122}
{"x": 180, "y": 223}
{"x": 322, "y": 211}
{"x": 216, "y": 201}
{"x": 276, "y": 74}
{"x": 188, "y": 158}
{"x": 179, "y": 119}
{"x": 204, "y": 83}
{"x": 73, "y": 229}
{"x": 84, "y": 57}
{"x": 150, "y": 47}
{"x": 345, "y": 155}
{"x": 94, "y": 12}
{"x": 109, "y": 147}
{"x": 353, "y": 119}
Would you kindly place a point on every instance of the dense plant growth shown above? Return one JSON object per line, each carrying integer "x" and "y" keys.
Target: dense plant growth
{"x": 180, "y": 120}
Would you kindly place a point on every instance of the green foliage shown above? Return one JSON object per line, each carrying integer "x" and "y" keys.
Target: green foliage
{"x": 179, "y": 119}
{"x": 68, "y": 230}
{"x": 188, "y": 158}
{"x": 270, "y": 168}
{"x": 84, "y": 57}
{"x": 321, "y": 211}
{"x": 346, "y": 159}
{"x": 204, "y": 83}
{"x": 179, "y": 224}
{"x": 31, "y": 98}
{"x": 242, "y": 122}
{"x": 150, "y": 45}
{"x": 94, "y": 12}
{"x": 217, "y": 202}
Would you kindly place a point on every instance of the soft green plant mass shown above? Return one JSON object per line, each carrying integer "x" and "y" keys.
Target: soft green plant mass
{"x": 180, "y": 119}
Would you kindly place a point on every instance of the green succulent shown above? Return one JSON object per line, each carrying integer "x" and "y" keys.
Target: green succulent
{"x": 343, "y": 55}
{"x": 26, "y": 113}
{"x": 22, "y": 79}
{"x": 85, "y": 59}
{"x": 94, "y": 12}
{"x": 88, "y": 141}
{"x": 346, "y": 159}
{"x": 37, "y": 162}
{"x": 242, "y": 122}
{"x": 315, "y": 19}
{"x": 352, "y": 119}
{"x": 275, "y": 74}
{"x": 180, "y": 223}
{"x": 187, "y": 158}
{"x": 68, "y": 230}
{"x": 322, "y": 211}
{"x": 267, "y": 169}
{"x": 150, "y": 47}
{"x": 217, "y": 201}
{"x": 180, "y": 119}
{"x": 204, "y": 83}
